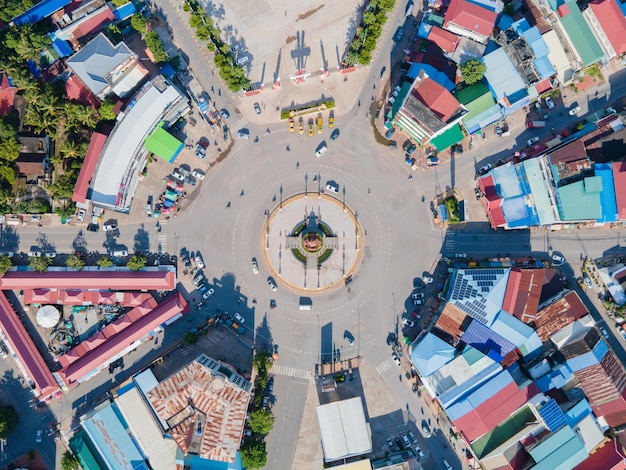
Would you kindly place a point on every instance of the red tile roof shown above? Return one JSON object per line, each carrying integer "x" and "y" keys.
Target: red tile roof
{"x": 76, "y": 90}
{"x": 121, "y": 340}
{"x": 436, "y": 97}
{"x": 162, "y": 279}
{"x": 619, "y": 181}
{"x": 43, "y": 383}
{"x": 612, "y": 21}
{"x": 492, "y": 202}
{"x": 446, "y": 40}
{"x": 193, "y": 396}
{"x": 470, "y": 16}
{"x": 7, "y": 94}
{"x": 522, "y": 294}
{"x": 89, "y": 165}
{"x": 492, "y": 412}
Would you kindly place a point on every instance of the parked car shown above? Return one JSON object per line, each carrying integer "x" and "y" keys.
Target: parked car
{"x": 257, "y": 108}
{"x": 399, "y": 443}
{"x": 395, "y": 358}
{"x": 574, "y": 111}
{"x": 420, "y": 453}
{"x": 110, "y": 227}
{"x": 412, "y": 437}
{"x": 549, "y": 102}
{"x": 390, "y": 442}
{"x": 532, "y": 141}
{"x": 407, "y": 322}
{"x": 320, "y": 151}
{"x": 198, "y": 278}
{"x": 604, "y": 332}
{"x": 588, "y": 282}
{"x": 405, "y": 440}
{"x": 224, "y": 113}
{"x": 348, "y": 338}
{"x": 417, "y": 295}
{"x": 425, "y": 430}
{"x": 332, "y": 186}
{"x": 208, "y": 293}
{"x": 432, "y": 161}
{"x": 199, "y": 261}
{"x": 558, "y": 259}
{"x": 243, "y": 133}
{"x": 272, "y": 284}
{"x": 255, "y": 266}
{"x": 390, "y": 132}
{"x": 239, "y": 318}
{"x": 427, "y": 278}
{"x": 198, "y": 174}
{"x": 81, "y": 215}
{"x": 39, "y": 436}
{"x": 485, "y": 169}
{"x": 335, "y": 134}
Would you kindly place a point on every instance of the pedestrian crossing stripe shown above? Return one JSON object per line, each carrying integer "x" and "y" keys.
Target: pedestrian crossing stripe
{"x": 383, "y": 366}
{"x": 278, "y": 369}
{"x": 241, "y": 123}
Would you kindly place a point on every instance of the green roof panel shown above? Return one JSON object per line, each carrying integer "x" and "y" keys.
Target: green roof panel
{"x": 448, "y": 138}
{"x": 163, "y": 144}
{"x": 470, "y": 93}
{"x": 580, "y": 34}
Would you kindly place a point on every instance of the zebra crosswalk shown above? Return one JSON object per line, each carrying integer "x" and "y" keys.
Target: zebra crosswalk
{"x": 278, "y": 369}
{"x": 241, "y": 123}
{"x": 162, "y": 238}
{"x": 383, "y": 366}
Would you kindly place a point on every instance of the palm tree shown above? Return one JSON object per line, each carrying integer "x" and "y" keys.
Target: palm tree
{"x": 70, "y": 149}
{"x": 49, "y": 105}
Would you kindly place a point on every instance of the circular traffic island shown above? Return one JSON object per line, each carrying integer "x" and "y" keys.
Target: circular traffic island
{"x": 312, "y": 244}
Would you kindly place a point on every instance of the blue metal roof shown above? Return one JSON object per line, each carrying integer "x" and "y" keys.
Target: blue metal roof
{"x": 582, "y": 362}
{"x": 40, "y": 11}
{"x": 124, "y": 11}
{"x": 578, "y": 412}
{"x": 554, "y": 379}
{"x": 62, "y": 47}
{"x": 480, "y": 395}
{"x": 607, "y": 196}
{"x": 487, "y": 341}
{"x": 552, "y": 415}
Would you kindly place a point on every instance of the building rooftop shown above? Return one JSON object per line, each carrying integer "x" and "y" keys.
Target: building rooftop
{"x": 472, "y": 16}
{"x": 612, "y": 22}
{"x": 523, "y": 292}
{"x": 203, "y": 409}
{"x": 558, "y": 314}
{"x": 579, "y": 32}
{"x": 344, "y": 430}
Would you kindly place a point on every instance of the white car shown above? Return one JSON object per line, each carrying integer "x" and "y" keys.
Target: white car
{"x": 255, "y": 266}
{"x": 425, "y": 430}
{"x": 485, "y": 169}
{"x": 272, "y": 284}
{"x": 407, "y": 322}
{"x": 395, "y": 358}
{"x": 558, "y": 259}
{"x": 332, "y": 187}
{"x": 110, "y": 227}
{"x": 50, "y": 254}
{"x": 81, "y": 215}
{"x": 532, "y": 141}
{"x": 199, "y": 261}
{"x": 419, "y": 453}
{"x": 239, "y": 318}
{"x": 427, "y": 279}
{"x": 198, "y": 174}
{"x": 574, "y": 111}
{"x": 549, "y": 102}
{"x": 208, "y": 293}
{"x": 35, "y": 254}
{"x": 320, "y": 151}
{"x": 588, "y": 282}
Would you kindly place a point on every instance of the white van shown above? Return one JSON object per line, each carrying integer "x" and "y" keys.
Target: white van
{"x": 118, "y": 253}
{"x": 320, "y": 151}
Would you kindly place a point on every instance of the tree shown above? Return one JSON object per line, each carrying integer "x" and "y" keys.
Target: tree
{"x": 5, "y": 264}
{"x": 69, "y": 461}
{"x": 262, "y": 361}
{"x": 39, "y": 263}
{"x": 254, "y": 454}
{"x": 8, "y": 421}
{"x": 473, "y": 71}
{"x": 156, "y": 47}
{"x": 106, "y": 111}
{"x": 27, "y": 41}
{"x": 75, "y": 262}
{"x": 79, "y": 115}
{"x": 138, "y": 23}
{"x": 261, "y": 421}
{"x": 136, "y": 262}
{"x": 104, "y": 262}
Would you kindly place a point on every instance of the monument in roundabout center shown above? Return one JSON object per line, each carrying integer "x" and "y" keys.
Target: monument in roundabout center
{"x": 312, "y": 243}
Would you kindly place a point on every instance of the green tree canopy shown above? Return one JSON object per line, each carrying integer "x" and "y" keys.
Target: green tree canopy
{"x": 254, "y": 454}
{"x": 156, "y": 47}
{"x": 136, "y": 262}
{"x": 75, "y": 262}
{"x": 106, "y": 110}
{"x": 5, "y": 264}
{"x": 27, "y": 41}
{"x": 104, "y": 262}
{"x": 63, "y": 187}
{"x": 9, "y": 9}
{"x": 473, "y": 71}
{"x": 8, "y": 421}
{"x": 39, "y": 264}
{"x": 262, "y": 361}
{"x": 138, "y": 23}
{"x": 69, "y": 461}
{"x": 261, "y": 421}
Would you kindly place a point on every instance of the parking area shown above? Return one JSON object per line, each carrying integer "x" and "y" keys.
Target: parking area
{"x": 318, "y": 39}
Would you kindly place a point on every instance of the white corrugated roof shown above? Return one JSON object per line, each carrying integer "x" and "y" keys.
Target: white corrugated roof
{"x": 343, "y": 429}
{"x": 161, "y": 452}
{"x": 127, "y": 138}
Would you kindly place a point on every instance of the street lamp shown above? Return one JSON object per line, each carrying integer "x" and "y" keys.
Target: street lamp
{"x": 306, "y": 181}
{"x": 344, "y": 199}
{"x": 281, "y": 197}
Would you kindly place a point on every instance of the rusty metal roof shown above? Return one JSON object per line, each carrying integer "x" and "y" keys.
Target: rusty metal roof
{"x": 523, "y": 292}
{"x": 555, "y": 316}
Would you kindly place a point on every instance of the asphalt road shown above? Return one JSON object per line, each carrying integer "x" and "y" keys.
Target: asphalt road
{"x": 401, "y": 243}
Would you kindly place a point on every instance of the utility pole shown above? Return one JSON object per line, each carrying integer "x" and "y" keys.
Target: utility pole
{"x": 358, "y": 344}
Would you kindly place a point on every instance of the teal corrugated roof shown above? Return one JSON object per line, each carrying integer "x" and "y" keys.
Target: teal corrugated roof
{"x": 575, "y": 203}
{"x": 472, "y": 355}
{"x": 397, "y": 104}
{"x": 563, "y": 451}
{"x": 448, "y": 138}
{"x": 579, "y": 32}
